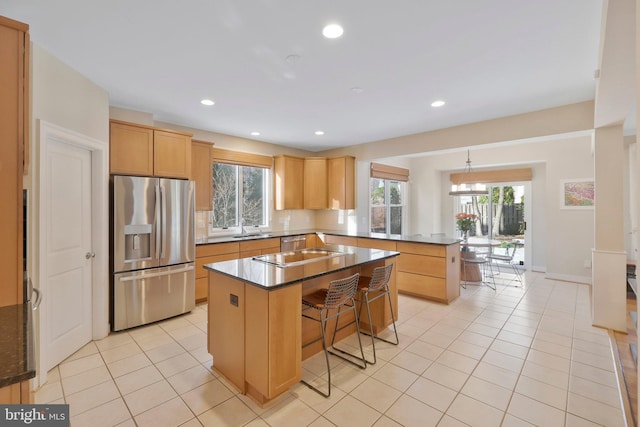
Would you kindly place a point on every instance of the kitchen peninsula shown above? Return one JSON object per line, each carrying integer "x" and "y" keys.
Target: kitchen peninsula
{"x": 255, "y": 328}
{"x": 427, "y": 267}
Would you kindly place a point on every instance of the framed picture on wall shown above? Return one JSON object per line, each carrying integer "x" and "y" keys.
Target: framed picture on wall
{"x": 577, "y": 193}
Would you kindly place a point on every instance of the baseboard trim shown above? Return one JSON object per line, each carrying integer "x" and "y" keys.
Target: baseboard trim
{"x": 622, "y": 383}
{"x": 569, "y": 278}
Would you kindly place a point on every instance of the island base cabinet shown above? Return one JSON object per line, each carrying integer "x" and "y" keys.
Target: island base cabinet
{"x": 272, "y": 341}
{"x": 226, "y": 327}
{"x": 254, "y": 336}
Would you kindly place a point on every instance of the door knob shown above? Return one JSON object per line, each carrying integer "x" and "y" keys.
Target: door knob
{"x": 90, "y": 255}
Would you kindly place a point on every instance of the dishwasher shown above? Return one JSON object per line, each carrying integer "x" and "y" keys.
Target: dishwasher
{"x": 291, "y": 243}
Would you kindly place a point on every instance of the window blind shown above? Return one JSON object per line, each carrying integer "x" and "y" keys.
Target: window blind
{"x": 219, "y": 155}
{"x": 487, "y": 177}
{"x": 394, "y": 173}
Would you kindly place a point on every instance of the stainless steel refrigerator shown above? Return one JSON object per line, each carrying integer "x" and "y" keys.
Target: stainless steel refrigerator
{"x": 153, "y": 249}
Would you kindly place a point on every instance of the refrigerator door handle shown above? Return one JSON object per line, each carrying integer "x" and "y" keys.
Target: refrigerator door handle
{"x": 163, "y": 203}
{"x": 38, "y": 300}
{"x": 150, "y": 275}
{"x": 158, "y": 231}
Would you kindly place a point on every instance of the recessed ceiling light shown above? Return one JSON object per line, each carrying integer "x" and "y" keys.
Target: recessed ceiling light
{"x": 332, "y": 31}
{"x": 437, "y": 103}
{"x": 207, "y": 102}
{"x": 255, "y": 133}
{"x": 319, "y": 132}
{"x": 357, "y": 89}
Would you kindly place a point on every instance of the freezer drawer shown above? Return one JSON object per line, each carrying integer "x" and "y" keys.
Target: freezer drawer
{"x": 154, "y": 294}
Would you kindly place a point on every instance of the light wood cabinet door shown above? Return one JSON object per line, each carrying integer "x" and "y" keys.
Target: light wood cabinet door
{"x": 131, "y": 149}
{"x": 273, "y": 345}
{"x": 315, "y": 183}
{"x": 18, "y": 393}
{"x": 14, "y": 124}
{"x": 202, "y": 174}
{"x": 226, "y": 316}
{"x": 288, "y": 182}
{"x": 171, "y": 154}
{"x": 341, "y": 182}
{"x": 206, "y": 254}
{"x": 330, "y": 239}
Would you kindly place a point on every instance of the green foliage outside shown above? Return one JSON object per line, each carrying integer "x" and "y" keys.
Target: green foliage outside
{"x": 495, "y": 196}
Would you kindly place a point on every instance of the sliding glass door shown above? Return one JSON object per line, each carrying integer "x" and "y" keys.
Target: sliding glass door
{"x": 501, "y": 216}
{"x": 506, "y": 221}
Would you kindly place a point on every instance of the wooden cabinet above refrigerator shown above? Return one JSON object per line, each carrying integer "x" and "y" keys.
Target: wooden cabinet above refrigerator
{"x": 146, "y": 151}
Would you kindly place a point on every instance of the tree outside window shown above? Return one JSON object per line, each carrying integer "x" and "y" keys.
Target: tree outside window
{"x": 386, "y": 199}
{"x": 235, "y": 183}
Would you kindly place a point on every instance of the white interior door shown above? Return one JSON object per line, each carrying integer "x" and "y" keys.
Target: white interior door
{"x": 67, "y": 301}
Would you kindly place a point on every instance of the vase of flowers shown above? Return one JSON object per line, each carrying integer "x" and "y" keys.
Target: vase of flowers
{"x": 465, "y": 221}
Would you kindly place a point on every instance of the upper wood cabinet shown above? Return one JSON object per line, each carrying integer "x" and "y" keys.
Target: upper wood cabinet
{"x": 14, "y": 127}
{"x": 341, "y": 182}
{"x": 131, "y": 149}
{"x": 202, "y": 174}
{"x": 146, "y": 151}
{"x": 315, "y": 183}
{"x": 288, "y": 182}
{"x": 171, "y": 154}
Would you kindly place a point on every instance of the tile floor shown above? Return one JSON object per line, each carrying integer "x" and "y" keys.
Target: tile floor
{"x": 515, "y": 357}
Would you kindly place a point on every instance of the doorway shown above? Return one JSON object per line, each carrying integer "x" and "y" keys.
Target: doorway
{"x": 503, "y": 215}
{"x": 71, "y": 244}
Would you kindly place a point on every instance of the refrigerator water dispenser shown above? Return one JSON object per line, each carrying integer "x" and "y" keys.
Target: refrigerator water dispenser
{"x": 137, "y": 241}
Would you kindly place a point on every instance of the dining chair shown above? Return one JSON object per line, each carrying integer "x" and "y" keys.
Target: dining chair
{"x": 506, "y": 258}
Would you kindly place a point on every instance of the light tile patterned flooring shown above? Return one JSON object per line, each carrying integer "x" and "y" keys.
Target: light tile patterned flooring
{"x": 515, "y": 357}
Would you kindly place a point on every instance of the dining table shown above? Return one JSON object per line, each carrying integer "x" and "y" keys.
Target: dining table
{"x": 470, "y": 248}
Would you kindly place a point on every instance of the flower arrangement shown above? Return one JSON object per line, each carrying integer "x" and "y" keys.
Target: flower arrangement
{"x": 465, "y": 221}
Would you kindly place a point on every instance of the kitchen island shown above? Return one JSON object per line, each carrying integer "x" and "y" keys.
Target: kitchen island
{"x": 255, "y": 328}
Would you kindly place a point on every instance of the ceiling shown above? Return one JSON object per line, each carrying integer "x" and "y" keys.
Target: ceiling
{"x": 485, "y": 59}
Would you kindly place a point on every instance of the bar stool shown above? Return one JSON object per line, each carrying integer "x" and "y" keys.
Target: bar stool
{"x": 339, "y": 295}
{"x": 377, "y": 284}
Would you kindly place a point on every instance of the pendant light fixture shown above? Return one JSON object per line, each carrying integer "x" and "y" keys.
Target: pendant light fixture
{"x": 465, "y": 186}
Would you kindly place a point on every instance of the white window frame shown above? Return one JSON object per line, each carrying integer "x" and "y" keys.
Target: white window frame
{"x": 388, "y": 205}
{"x": 221, "y": 231}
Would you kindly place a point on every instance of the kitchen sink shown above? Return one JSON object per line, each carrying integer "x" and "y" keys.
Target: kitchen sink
{"x": 252, "y": 236}
{"x": 297, "y": 257}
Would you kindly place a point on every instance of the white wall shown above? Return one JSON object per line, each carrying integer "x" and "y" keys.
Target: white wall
{"x": 64, "y": 97}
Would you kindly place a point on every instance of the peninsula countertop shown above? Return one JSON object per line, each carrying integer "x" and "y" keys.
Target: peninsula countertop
{"x": 415, "y": 238}
{"x": 266, "y": 275}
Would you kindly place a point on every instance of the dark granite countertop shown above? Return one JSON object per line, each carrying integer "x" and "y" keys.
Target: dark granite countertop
{"x": 435, "y": 240}
{"x": 269, "y": 276}
{"x": 17, "y": 361}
